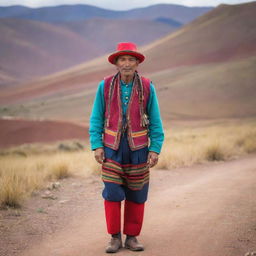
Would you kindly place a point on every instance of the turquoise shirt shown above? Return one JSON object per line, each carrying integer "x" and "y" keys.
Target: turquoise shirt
{"x": 96, "y": 129}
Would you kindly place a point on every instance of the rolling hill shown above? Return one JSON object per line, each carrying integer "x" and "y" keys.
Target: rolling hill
{"x": 225, "y": 33}
{"x": 204, "y": 70}
{"x": 39, "y": 41}
{"x": 104, "y": 33}
{"x": 32, "y": 48}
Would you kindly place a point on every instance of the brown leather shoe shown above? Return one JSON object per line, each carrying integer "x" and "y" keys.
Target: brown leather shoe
{"x": 132, "y": 244}
{"x": 114, "y": 245}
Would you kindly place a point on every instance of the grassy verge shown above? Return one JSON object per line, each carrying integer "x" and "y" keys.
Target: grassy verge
{"x": 25, "y": 169}
{"x": 214, "y": 143}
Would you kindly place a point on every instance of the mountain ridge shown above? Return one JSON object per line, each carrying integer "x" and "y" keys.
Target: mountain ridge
{"x": 183, "y": 14}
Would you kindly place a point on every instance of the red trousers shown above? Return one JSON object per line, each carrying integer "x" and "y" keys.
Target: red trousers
{"x": 133, "y": 217}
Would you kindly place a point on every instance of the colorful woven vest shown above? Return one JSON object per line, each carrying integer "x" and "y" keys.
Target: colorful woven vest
{"x": 136, "y": 117}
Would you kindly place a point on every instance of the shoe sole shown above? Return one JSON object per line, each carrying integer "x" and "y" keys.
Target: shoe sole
{"x": 114, "y": 251}
{"x": 134, "y": 249}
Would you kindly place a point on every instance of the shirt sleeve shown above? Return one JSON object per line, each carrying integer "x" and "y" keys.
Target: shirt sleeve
{"x": 97, "y": 118}
{"x": 156, "y": 133}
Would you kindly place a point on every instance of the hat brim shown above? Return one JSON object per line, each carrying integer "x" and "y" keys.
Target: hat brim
{"x": 113, "y": 56}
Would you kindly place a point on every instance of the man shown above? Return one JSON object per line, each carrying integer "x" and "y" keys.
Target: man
{"x": 125, "y": 116}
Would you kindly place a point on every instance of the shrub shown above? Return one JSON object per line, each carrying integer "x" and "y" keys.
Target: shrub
{"x": 214, "y": 152}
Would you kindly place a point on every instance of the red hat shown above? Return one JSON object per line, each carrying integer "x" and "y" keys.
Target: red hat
{"x": 126, "y": 49}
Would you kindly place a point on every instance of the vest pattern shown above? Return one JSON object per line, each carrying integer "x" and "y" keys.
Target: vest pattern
{"x": 137, "y": 131}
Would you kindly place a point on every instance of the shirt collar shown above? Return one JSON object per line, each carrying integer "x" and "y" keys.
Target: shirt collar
{"x": 124, "y": 84}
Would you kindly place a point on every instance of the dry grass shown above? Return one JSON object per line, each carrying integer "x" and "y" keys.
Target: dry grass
{"x": 214, "y": 143}
{"x": 21, "y": 174}
{"x": 28, "y": 168}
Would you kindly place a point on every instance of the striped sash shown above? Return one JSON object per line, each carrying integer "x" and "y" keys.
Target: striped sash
{"x": 133, "y": 176}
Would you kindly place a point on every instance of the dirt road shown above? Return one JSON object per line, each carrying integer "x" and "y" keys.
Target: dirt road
{"x": 204, "y": 210}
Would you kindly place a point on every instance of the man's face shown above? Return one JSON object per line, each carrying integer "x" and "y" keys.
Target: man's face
{"x": 127, "y": 65}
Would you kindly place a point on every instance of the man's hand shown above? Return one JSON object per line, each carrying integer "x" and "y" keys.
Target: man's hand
{"x": 99, "y": 155}
{"x": 152, "y": 159}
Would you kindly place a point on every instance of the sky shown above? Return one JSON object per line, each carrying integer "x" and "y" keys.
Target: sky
{"x": 118, "y": 4}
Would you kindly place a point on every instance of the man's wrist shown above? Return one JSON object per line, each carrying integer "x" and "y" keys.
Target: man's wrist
{"x": 154, "y": 152}
{"x": 97, "y": 148}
